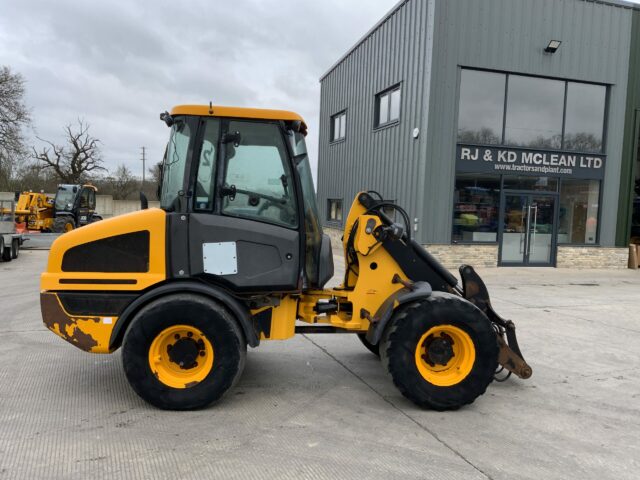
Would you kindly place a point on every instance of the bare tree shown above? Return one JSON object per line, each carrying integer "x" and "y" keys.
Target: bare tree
{"x": 14, "y": 116}
{"x": 122, "y": 183}
{"x": 73, "y": 162}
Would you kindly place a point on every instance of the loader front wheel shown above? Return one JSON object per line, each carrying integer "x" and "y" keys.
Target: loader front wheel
{"x": 63, "y": 224}
{"x": 183, "y": 352}
{"x": 441, "y": 352}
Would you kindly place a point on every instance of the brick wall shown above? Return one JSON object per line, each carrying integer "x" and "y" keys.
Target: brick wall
{"x": 592, "y": 257}
{"x": 452, "y": 256}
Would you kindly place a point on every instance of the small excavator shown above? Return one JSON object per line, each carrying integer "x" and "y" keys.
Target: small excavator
{"x": 236, "y": 256}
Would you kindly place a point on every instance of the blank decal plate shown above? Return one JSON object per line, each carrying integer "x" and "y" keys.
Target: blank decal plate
{"x": 220, "y": 258}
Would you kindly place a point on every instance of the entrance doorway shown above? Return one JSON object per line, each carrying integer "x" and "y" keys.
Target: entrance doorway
{"x": 528, "y": 229}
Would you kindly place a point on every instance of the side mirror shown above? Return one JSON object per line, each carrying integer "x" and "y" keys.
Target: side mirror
{"x": 144, "y": 203}
{"x": 166, "y": 118}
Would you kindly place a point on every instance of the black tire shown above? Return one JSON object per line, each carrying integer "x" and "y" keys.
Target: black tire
{"x": 63, "y": 224}
{"x": 7, "y": 253}
{"x": 218, "y": 326}
{"x": 400, "y": 340}
{"x": 1, "y": 248}
{"x": 375, "y": 349}
{"x": 15, "y": 248}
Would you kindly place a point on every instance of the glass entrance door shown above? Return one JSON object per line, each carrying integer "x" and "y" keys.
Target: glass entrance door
{"x": 528, "y": 229}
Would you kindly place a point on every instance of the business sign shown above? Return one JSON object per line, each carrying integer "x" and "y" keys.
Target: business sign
{"x": 521, "y": 161}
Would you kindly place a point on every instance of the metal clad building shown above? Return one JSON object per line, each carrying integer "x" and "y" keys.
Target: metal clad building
{"x": 439, "y": 95}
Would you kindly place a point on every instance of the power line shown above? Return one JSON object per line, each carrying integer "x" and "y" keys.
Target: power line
{"x": 144, "y": 169}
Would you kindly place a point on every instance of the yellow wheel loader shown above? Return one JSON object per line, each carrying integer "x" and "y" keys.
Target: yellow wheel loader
{"x": 236, "y": 256}
{"x": 72, "y": 206}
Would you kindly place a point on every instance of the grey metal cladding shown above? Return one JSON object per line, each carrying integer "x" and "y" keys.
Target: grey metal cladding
{"x": 384, "y": 159}
{"x": 423, "y": 44}
{"x": 510, "y": 35}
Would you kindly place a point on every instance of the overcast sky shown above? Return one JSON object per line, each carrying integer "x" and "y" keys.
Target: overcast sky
{"x": 118, "y": 64}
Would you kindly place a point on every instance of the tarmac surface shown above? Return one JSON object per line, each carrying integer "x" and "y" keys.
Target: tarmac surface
{"x": 321, "y": 406}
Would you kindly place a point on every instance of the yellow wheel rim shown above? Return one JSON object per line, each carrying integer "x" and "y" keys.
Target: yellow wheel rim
{"x": 68, "y": 227}
{"x": 181, "y": 356}
{"x": 445, "y": 355}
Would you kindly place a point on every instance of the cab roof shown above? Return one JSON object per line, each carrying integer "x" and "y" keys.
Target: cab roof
{"x": 236, "y": 112}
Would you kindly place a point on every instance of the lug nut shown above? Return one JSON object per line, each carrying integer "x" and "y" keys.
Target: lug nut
{"x": 189, "y": 334}
{"x": 177, "y": 336}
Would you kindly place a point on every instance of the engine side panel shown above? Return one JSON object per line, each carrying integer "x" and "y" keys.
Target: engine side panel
{"x": 126, "y": 252}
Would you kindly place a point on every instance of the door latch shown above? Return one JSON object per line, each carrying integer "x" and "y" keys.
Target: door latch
{"x": 228, "y": 191}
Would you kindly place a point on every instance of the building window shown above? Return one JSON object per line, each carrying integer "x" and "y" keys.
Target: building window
{"x": 476, "y": 212}
{"x": 584, "y": 122}
{"x": 538, "y": 184}
{"x": 538, "y": 112}
{"x": 334, "y": 210}
{"x": 388, "y": 106}
{"x": 534, "y": 112}
{"x": 578, "y": 213}
{"x": 481, "y": 111}
{"x": 338, "y": 126}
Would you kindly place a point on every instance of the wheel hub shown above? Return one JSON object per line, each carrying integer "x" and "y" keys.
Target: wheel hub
{"x": 439, "y": 351}
{"x": 185, "y": 352}
{"x": 445, "y": 355}
{"x": 181, "y": 356}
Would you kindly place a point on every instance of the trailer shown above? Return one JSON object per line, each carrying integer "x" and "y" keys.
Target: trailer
{"x": 10, "y": 241}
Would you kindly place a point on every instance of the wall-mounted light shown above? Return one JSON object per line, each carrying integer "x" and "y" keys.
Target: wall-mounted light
{"x": 553, "y": 46}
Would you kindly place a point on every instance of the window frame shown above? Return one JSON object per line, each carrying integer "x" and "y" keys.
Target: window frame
{"x": 333, "y": 221}
{"x": 341, "y": 114}
{"x": 605, "y": 113}
{"x": 387, "y": 92}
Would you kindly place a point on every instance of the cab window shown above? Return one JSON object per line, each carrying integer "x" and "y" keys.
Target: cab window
{"x": 92, "y": 199}
{"x": 206, "y": 174}
{"x": 257, "y": 179}
{"x": 174, "y": 164}
{"x": 84, "y": 198}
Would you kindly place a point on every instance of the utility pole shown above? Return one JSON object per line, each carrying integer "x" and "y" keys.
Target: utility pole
{"x": 143, "y": 165}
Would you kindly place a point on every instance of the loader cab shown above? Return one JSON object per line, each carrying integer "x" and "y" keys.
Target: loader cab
{"x": 70, "y": 198}
{"x": 237, "y": 188}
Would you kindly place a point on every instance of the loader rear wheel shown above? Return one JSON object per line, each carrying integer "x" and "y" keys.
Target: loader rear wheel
{"x": 63, "y": 224}
{"x": 441, "y": 352}
{"x": 183, "y": 352}
{"x": 375, "y": 349}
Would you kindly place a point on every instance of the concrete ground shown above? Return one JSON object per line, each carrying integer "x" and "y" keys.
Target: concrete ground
{"x": 321, "y": 406}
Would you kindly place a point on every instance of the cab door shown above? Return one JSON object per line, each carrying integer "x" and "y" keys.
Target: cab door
{"x": 244, "y": 225}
